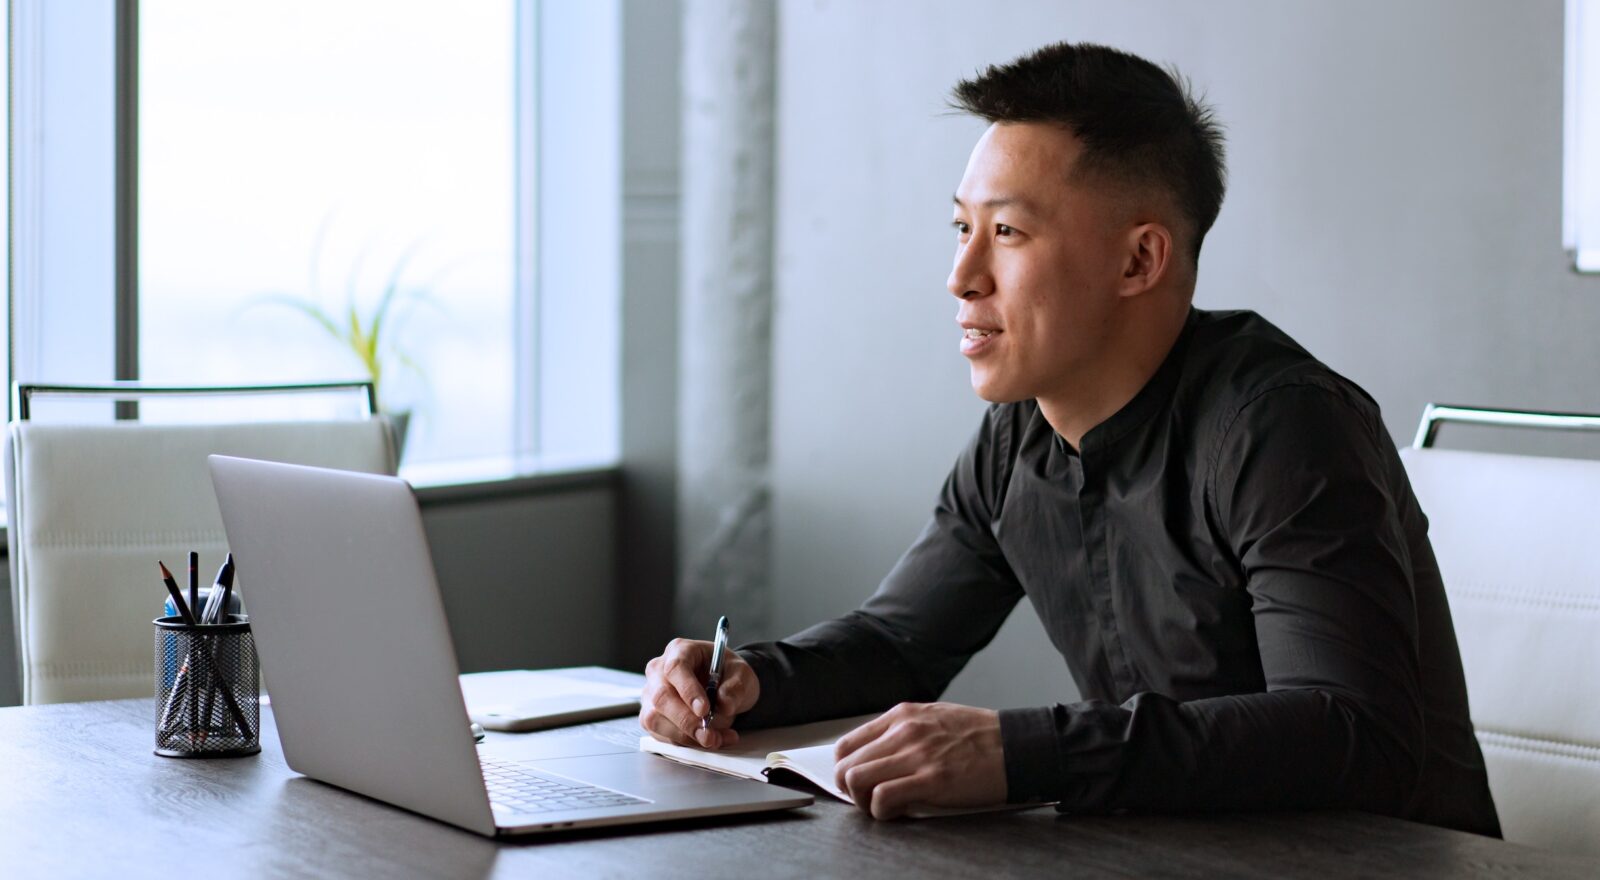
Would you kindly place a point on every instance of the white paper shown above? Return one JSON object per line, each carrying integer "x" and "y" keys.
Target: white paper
{"x": 491, "y": 692}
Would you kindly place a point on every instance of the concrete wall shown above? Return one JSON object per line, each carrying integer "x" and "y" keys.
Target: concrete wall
{"x": 1394, "y": 205}
{"x": 528, "y": 580}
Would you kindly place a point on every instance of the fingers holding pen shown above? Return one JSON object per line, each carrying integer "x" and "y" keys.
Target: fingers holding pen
{"x": 735, "y": 695}
{"x": 684, "y": 668}
{"x": 663, "y": 712}
{"x": 675, "y": 702}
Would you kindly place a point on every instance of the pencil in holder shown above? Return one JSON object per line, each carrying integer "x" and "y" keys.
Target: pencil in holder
{"x": 208, "y": 694}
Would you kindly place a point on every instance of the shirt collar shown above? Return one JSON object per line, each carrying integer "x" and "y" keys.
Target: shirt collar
{"x": 1151, "y": 398}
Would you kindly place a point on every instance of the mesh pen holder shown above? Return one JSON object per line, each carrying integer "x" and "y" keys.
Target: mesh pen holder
{"x": 208, "y": 696}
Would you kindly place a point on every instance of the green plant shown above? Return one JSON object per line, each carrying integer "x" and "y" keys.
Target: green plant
{"x": 367, "y": 336}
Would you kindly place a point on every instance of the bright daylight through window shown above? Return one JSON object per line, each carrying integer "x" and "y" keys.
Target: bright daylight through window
{"x": 327, "y": 192}
{"x": 1581, "y": 197}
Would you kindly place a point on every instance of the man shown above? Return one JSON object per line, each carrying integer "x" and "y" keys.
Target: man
{"x": 1213, "y": 527}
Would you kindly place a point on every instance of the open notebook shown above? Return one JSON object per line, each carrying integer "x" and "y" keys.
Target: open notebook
{"x": 805, "y": 750}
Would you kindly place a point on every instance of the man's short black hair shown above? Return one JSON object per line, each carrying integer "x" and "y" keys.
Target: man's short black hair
{"x": 1139, "y": 125}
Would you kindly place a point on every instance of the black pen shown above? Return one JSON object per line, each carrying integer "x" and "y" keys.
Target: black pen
{"x": 719, "y": 647}
{"x": 210, "y": 616}
{"x": 193, "y": 693}
{"x": 194, "y": 581}
{"x": 226, "y": 580}
{"x": 216, "y": 601}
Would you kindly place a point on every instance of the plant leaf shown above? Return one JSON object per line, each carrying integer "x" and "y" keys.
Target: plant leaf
{"x": 392, "y": 289}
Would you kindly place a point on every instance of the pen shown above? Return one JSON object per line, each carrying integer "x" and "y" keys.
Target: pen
{"x": 216, "y": 600}
{"x": 217, "y": 612}
{"x": 225, "y": 688}
{"x": 209, "y": 616}
{"x": 719, "y": 647}
{"x": 226, "y": 579}
{"x": 193, "y": 693}
{"x": 194, "y": 581}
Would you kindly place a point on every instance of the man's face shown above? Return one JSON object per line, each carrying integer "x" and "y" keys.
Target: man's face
{"x": 1038, "y": 258}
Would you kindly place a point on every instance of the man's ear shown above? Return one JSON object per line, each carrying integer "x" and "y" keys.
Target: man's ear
{"x": 1148, "y": 258}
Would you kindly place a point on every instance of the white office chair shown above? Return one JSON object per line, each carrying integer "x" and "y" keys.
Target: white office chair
{"x": 1518, "y": 543}
{"x": 93, "y": 507}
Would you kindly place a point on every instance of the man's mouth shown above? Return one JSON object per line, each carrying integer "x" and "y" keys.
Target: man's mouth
{"x": 976, "y": 340}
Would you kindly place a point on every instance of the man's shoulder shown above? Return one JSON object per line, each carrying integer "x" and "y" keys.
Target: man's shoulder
{"x": 1237, "y": 358}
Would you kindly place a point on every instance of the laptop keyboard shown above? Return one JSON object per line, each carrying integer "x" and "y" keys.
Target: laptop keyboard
{"x": 521, "y": 790}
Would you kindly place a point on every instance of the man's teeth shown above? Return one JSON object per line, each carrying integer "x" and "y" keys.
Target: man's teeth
{"x": 975, "y": 333}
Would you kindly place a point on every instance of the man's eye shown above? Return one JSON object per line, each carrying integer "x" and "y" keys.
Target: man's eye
{"x": 960, "y": 227}
{"x": 1003, "y": 230}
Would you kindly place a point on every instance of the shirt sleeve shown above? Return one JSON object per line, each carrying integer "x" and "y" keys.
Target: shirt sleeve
{"x": 941, "y": 603}
{"x": 1304, "y": 488}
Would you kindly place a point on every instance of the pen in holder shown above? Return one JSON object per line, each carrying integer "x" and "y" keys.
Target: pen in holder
{"x": 208, "y": 696}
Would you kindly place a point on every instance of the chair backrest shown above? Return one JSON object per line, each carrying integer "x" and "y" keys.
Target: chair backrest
{"x": 1518, "y": 544}
{"x": 92, "y": 507}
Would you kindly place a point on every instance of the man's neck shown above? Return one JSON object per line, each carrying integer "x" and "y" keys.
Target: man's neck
{"x": 1093, "y": 398}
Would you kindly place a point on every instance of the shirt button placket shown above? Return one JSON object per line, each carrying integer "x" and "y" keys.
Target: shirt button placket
{"x": 1092, "y": 512}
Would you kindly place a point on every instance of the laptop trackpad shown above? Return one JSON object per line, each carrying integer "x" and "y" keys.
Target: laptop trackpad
{"x": 639, "y": 773}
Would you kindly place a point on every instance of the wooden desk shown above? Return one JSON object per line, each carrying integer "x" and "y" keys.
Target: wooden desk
{"x": 81, "y": 795}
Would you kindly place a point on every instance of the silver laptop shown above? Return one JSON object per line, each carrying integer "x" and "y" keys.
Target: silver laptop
{"x": 358, "y": 660}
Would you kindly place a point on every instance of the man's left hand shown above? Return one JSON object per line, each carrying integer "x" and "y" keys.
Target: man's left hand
{"x": 923, "y": 754}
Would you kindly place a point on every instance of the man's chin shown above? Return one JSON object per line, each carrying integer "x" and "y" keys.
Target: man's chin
{"x": 994, "y": 392}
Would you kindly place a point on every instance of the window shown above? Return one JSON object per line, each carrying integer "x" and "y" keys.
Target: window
{"x": 1581, "y": 174}
{"x": 299, "y": 156}
{"x": 5, "y": 230}
{"x": 300, "y": 159}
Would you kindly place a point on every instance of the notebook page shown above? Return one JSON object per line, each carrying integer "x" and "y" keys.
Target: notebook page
{"x": 749, "y": 758}
{"x": 735, "y": 762}
{"x": 815, "y": 764}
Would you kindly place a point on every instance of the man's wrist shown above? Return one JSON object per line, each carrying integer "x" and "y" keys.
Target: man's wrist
{"x": 1032, "y": 750}
{"x": 766, "y": 687}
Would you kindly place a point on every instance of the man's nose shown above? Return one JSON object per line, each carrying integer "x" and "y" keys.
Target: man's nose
{"x": 970, "y": 277}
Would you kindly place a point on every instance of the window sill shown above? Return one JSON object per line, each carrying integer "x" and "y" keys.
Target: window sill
{"x": 460, "y": 482}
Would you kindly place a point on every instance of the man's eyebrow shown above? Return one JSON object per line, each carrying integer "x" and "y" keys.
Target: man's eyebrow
{"x": 1001, "y": 202}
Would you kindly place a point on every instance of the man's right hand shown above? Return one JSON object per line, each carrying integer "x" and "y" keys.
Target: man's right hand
{"x": 674, "y": 698}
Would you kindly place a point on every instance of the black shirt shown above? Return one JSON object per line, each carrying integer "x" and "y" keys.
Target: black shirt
{"x": 1234, "y": 568}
